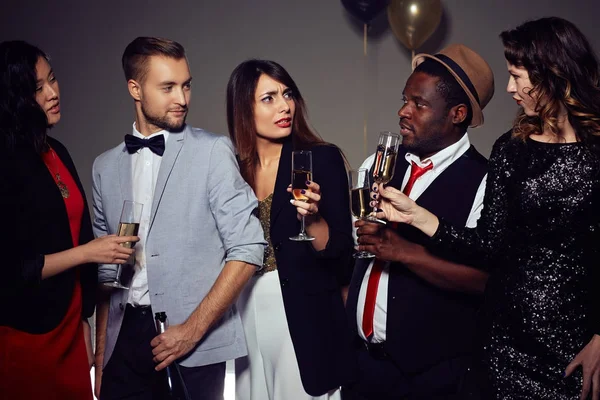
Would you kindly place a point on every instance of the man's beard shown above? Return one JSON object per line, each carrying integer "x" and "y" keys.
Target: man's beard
{"x": 163, "y": 122}
{"x": 425, "y": 145}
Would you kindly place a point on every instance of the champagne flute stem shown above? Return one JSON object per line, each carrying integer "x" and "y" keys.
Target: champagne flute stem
{"x": 302, "y": 231}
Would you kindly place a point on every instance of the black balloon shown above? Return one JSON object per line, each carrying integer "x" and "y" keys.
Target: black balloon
{"x": 365, "y": 10}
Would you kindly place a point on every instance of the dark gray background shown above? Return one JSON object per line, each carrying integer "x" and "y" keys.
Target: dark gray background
{"x": 317, "y": 41}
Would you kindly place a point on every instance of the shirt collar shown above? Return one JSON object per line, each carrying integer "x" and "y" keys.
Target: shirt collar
{"x": 443, "y": 157}
{"x": 136, "y": 133}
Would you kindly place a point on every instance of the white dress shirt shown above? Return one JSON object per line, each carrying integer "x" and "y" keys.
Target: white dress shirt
{"x": 441, "y": 160}
{"x": 144, "y": 171}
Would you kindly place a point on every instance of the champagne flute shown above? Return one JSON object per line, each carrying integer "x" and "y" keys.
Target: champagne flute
{"x": 360, "y": 189}
{"x": 129, "y": 224}
{"x": 301, "y": 172}
{"x": 385, "y": 162}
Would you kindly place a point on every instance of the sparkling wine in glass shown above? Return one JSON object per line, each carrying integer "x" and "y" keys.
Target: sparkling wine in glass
{"x": 385, "y": 162}
{"x": 129, "y": 225}
{"x": 301, "y": 173}
{"x": 360, "y": 190}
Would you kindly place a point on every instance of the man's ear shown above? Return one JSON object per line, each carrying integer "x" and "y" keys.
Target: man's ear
{"x": 135, "y": 89}
{"x": 459, "y": 113}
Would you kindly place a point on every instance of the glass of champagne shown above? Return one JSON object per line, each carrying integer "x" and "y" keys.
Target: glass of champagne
{"x": 128, "y": 226}
{"x": 385, "y": 162}
{"x": 301, "y": 172}
{"x": 360, "y": 189}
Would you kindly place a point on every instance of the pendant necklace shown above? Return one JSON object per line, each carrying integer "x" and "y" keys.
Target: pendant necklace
{"x": 64, "y": 190}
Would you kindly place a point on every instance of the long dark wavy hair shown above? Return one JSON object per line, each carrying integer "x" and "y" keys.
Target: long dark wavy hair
{"x": 241, "y": 90}
{"x": 22, "y": 120}
{"x": 563, "y": 71}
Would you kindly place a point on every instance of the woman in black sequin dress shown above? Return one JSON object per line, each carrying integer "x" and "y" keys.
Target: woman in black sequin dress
{"x": 539, "y": 233}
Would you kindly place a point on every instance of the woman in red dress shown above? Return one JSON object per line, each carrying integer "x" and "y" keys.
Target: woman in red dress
{"x": 48, "y": 266}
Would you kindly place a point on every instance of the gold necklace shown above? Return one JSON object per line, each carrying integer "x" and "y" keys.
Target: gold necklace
{"x": 64, "y": 190}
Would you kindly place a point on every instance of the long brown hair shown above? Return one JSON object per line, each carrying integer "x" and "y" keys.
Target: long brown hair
{"x": 241, "y": 90}
{"x": 563, "y": 71}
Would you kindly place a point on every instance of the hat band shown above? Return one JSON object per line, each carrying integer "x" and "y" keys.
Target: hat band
{"x": 461, "y": 74}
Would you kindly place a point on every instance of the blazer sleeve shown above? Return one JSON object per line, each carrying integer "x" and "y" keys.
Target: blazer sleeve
{"x": 234, "y": 206}
{"x": 106, "y": 272}
{"x": 330, "y": 173}
{"x": 20, "y": 266}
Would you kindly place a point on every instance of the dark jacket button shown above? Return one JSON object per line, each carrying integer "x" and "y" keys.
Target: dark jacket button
{"x": 285, "y": 282}
{"x": 277, "y": 246}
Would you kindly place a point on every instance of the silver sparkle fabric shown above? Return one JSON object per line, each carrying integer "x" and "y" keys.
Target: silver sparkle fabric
{"x": 538, "y": 236}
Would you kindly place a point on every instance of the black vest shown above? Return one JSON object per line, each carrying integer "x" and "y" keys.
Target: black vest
{"x": 425, "y": 324}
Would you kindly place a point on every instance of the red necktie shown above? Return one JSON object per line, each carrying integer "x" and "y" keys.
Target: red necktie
{"x": 415, "y": 173}
{"x": 373, "y": 284}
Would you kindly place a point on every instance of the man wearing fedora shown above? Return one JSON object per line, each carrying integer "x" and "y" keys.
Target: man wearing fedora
{"x": 414, "y": 312}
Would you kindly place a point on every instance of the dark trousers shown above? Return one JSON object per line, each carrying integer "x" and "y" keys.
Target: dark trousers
{"x": 380, "y": 378}
{"x": 130, "y": 374}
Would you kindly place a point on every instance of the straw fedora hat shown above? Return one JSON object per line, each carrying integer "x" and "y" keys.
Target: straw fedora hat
{"x": 472, "y": 73}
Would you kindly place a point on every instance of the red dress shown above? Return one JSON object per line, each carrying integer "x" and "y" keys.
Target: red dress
{"x": 52, "y": 365}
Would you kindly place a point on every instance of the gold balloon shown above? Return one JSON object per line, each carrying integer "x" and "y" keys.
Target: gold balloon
{"x": 413, "y": 21}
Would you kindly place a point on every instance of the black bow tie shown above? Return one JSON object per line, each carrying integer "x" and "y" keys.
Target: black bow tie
{"x": 156, "y": 144}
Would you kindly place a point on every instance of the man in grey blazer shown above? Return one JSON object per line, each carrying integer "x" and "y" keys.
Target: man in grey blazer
{"x": 200, "y": 239}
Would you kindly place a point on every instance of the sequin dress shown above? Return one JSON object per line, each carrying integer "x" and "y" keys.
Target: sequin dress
{"x": 264, "y": 214}
{"x": 538, "y": 236}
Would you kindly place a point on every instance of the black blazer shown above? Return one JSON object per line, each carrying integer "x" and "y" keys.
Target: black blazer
{"x": 310, "y": 280}
{"x": 36, "y": 223}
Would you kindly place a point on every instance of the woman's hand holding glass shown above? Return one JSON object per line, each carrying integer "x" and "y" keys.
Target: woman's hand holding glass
{"x": 309, "y": 207}
{"x": 395, "y": 206}
{"x": 108, "y": 249}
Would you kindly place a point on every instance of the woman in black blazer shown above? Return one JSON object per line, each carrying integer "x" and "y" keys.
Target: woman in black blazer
{"x": 48, "y": 265}
{"x": 298, "y": 341}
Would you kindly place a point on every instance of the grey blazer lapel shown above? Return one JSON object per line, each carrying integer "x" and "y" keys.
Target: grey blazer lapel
{"x": 172, "y": 149}
{"x": 124, "y": 172}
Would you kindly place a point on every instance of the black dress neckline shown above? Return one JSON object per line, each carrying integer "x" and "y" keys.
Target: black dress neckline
{"x": 530, "y": 140}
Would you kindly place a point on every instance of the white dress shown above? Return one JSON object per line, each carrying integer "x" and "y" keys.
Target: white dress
{"x": 270, "y": 371}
